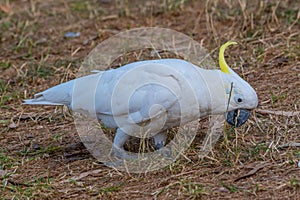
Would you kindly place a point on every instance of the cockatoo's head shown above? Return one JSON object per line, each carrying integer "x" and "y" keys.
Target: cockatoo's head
{"x": 242, "y": 97}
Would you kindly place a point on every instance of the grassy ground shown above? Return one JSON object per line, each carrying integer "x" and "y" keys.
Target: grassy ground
{"x": 40, "y": 152}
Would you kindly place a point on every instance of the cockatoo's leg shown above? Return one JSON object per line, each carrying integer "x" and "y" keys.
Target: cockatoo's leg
{"x": 159, "y": 140}
{"x": 120, "y": 138}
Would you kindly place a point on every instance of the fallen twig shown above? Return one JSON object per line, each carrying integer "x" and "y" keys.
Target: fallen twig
{"x": 253, "y": 171}
{"x": 290, "y": 144}
{"x": 83, "y": 175}
{"x": 4, "y": 8}
{"x": 284, "y": 113}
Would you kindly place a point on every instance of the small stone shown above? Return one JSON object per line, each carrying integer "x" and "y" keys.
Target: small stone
{"x": 72, "y": 34}
{"x": 39, "y": 127}
{"x": 3, "y": 173}
{"x": 223, "y": 189}
{"x": 13, "y": 125}
{"x": 36, "y": 146}
{"x": 245, "y": 65}
{"x": 250, "y": 76}
{"x": 29, "y": 136}
{"x": 41, "y": 41}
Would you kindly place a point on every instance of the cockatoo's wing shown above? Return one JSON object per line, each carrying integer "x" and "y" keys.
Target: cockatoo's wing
{"x": 140, "y": 93}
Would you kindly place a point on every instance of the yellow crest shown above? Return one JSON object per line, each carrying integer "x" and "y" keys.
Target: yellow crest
{"x": 223, "y": 65}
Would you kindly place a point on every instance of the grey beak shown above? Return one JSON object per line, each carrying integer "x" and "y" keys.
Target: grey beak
{"x": 237, "y": 117}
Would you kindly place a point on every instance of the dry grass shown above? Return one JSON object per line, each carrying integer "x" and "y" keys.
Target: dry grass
{"x": 40, "y": 151}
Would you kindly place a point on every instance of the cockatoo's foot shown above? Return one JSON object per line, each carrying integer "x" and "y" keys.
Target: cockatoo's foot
{"x": 121, "y": 154}
{"x": 159, "y": 144}
{"x": 159, "y": 140}
{"x": 115, "y": 163}
{"x": 118, "y": 156}
{"x": 165, "y": 152}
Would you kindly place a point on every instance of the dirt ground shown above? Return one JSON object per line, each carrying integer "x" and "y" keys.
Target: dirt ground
{"x": 41, "y": 156}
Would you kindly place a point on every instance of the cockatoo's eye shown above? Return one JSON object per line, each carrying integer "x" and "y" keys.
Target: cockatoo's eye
{"x": 238, "y": 99}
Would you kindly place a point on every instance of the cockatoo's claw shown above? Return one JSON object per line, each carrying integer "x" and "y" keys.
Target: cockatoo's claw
{"x": 165, "y": 152}
{"x": 121, "y": 154}
{"x": 237, "y": 117}
{"x": 118, "y": 157}
{"x": 114, "y": 164}
{"x": 159, "y": 145}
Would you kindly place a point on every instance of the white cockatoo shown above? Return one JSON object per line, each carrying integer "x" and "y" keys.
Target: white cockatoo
{"x": 155, "y": 94}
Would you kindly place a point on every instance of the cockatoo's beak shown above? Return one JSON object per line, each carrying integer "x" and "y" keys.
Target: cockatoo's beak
{"x": 237, "y": 117}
